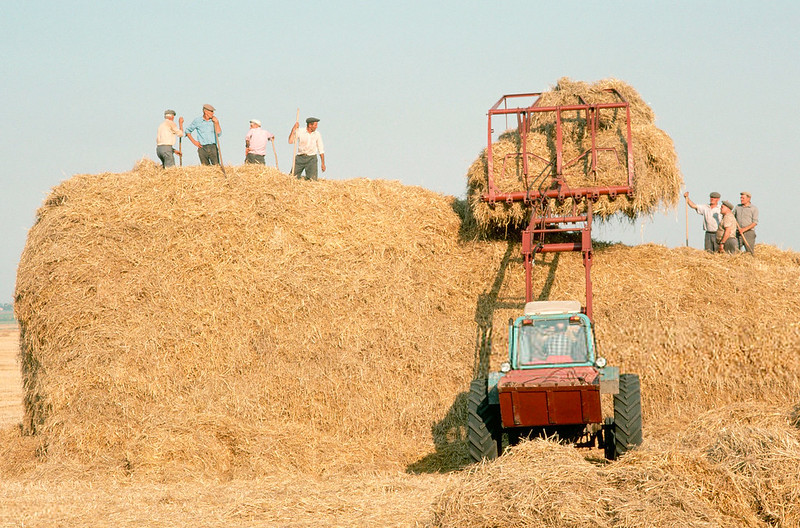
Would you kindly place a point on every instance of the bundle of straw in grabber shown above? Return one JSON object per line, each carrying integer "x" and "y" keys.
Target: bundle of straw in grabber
{"x": 657, "y": 178}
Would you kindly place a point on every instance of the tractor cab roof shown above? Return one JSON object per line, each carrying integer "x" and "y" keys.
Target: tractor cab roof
{"x": 552, "y": 307}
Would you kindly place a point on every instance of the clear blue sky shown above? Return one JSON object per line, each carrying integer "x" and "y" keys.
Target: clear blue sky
{"x": 402, "y": 89}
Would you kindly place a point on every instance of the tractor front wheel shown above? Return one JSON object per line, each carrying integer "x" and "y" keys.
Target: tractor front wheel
{"x": 483, "y": 423}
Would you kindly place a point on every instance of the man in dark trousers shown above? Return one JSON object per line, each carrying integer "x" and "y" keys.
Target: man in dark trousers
{"x": 747, "y": 217}
{"x": 309, "y": 144}
{"x": 207, "y": 128}
{"x": 711, "y": 217}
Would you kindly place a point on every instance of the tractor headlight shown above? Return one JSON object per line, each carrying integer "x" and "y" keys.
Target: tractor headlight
{"x": 600, "y": 362}
{"x": 505, "y": 367}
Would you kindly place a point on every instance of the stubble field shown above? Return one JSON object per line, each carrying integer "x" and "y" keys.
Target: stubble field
{"x": 54, "y": 497}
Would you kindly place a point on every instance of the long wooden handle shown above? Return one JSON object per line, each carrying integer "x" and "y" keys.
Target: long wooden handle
{"x": 180, "y": 141}
{"x": 294, "y": 155}
{"x": 739, "y": 229}
{"x": 219, "y": 151}
{"x": 687, "y": 222}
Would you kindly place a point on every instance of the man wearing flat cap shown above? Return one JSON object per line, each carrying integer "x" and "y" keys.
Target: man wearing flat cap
{"x": 726, "y": 232}
{"x": 165, "y": 139}
{"x": 711, "y": 217}
{"x": 255, "y": 143}
{"x": 309, "y": 144}
{"x": 207, "y": 128}
{"x": 747, "y": 217}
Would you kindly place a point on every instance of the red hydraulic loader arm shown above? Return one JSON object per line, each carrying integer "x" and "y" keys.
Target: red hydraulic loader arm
{"x": 550, "y": 182}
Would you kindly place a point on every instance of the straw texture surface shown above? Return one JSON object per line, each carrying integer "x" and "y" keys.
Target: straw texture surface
{"x": 179, "y": 326}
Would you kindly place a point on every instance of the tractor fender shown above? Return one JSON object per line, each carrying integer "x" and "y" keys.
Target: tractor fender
{"x": 492, "y": 381}
{"x": 609, "y": 380}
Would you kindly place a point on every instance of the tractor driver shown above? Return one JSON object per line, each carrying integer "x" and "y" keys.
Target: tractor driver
{"x": 559, "y": 343}
{"x": 532, "y": 344}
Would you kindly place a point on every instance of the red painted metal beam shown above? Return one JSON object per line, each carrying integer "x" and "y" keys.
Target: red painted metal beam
{"x": 578, "y": 192}
{"x": 559, "y": 247}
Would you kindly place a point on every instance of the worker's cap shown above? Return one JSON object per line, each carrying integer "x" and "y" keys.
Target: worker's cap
{"x": 745, "y": 193}
{"x": 727, "y": 204}
{"x": 208, "y": 107}
{"x": 714, "y": 194}
{"x": 311, "y": 120}
{"x": 169, "y": 112}
{"x": 256, "y": 121}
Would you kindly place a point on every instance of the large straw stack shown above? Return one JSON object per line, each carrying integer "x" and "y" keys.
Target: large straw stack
{"x": 179, "y": 322}
{"x": 657, "y": 179}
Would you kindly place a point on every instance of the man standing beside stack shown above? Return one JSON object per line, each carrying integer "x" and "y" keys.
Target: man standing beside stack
{"x": 165, "y": 139}
{"x": 207, "y": 129}
{"x": 726, "y": 232}
{"x": 747, "y": 217}
{"x": 711, "y": 217}
{"x": 255, "y": 143}
{"x": 309, "y": 144}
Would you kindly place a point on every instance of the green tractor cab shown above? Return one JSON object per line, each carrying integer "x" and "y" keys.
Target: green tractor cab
{"x": 551, "y": 386}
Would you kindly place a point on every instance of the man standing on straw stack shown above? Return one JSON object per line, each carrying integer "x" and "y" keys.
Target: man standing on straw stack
{"x": 726, "y": 232}
{"x": 255, "y": 143}
{"x": 309, "y": 144}
{"x": 711, "y": 217}
{"x": 207, "y": 129}
{"x": 746, "y": 217}
{"x": 165, "y": 138}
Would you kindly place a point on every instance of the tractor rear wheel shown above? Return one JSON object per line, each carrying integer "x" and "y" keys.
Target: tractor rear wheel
{"x": 483, "y": 423}
{"x": 627, "y": 414}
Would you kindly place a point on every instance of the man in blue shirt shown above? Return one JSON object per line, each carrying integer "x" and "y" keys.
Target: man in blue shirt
{"x": 206, "y": 128}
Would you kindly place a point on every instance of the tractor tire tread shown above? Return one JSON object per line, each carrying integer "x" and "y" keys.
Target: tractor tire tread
{"x": 628, "y": 414}
{"x": 482, "y": 423}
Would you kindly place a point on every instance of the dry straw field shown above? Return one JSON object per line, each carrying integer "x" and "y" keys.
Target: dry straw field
{"x": 254, "y": 350}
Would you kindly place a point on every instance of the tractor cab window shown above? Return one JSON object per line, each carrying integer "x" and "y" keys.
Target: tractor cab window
{"x": 552, "y": 341}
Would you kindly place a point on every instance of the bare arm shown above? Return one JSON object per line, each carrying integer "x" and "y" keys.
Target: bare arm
{"x": 725, "y": 236}
{"x": 746, "y": 228}
{"x": 689, "y": 201}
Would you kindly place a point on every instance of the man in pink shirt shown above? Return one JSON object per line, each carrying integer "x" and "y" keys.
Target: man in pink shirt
{"x": 255, "y": 143}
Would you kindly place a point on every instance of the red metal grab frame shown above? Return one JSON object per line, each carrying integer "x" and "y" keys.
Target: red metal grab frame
{"x": 541, "y": 221}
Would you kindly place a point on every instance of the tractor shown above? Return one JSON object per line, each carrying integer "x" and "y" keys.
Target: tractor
{"x": 552, "y": 382}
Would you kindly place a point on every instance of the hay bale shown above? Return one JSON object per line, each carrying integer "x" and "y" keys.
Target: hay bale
{"x": 538, "y": 483}
{"x": 741, "y": 474}
{"x": 657, "y": 179}
{"x": 180, "y": 322}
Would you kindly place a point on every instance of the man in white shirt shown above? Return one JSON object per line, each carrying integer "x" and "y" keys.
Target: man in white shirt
{"x": 255, "y": 143}
{"x": 165, "y": 139}
{"x": 711, "y": 217}
{"x": 309, "y": 144}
